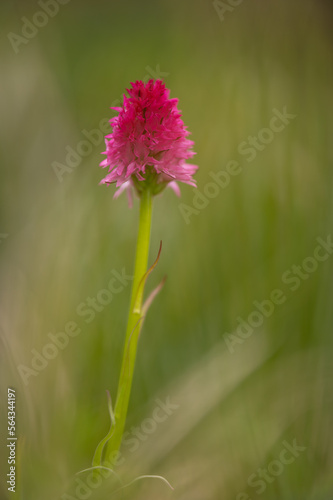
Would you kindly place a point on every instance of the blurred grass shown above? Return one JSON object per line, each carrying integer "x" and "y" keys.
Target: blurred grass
{"x": 65, "y": 238}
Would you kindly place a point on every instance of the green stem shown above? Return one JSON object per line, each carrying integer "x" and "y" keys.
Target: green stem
{"x": 133, "y": 327}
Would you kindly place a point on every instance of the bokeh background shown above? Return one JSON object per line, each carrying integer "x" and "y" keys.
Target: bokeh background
{"x": 63, "y": 235}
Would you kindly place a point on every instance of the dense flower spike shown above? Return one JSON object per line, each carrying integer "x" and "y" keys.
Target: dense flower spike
{"x": 148, "y": 144}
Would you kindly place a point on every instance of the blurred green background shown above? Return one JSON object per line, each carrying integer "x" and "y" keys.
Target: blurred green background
{"x": 62, "y": 236}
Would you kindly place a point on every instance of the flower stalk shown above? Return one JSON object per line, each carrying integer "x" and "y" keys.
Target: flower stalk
{"x": 135, "y": 317}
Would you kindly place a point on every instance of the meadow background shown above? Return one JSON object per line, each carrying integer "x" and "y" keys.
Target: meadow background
{"x": 61, "y": 239}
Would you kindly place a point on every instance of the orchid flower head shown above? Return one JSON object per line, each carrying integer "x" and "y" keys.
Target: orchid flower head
{"x": 149, "y": 144}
